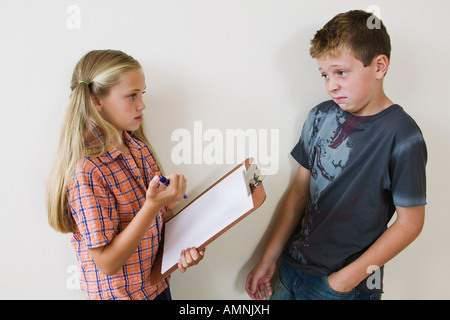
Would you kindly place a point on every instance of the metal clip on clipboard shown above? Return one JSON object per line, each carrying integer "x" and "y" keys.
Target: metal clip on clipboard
{"x": 253, "y": 178}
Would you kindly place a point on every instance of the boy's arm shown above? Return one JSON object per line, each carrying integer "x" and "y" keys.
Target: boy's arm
{"x": 288, "y": 219}
{"x": 397, "y": 237}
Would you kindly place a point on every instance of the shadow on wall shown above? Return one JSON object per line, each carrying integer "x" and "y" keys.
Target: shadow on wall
{"x": 297, "y": 69}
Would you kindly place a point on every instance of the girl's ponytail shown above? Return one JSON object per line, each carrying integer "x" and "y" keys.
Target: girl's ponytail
{"x": 94, "y": 75}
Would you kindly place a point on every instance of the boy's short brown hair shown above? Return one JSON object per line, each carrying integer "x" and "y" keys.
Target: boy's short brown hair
{"x": 353, "y": 30}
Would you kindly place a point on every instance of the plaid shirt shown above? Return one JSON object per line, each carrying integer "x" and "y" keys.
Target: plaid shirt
{"x": 104, "y": 195}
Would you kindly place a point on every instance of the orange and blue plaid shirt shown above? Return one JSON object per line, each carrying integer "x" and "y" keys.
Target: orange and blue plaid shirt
{"x": 104, "y": 195}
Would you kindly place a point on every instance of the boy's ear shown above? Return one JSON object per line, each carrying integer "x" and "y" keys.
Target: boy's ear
{"x": 96, "y": 102}
{"x": 382, "y": 66}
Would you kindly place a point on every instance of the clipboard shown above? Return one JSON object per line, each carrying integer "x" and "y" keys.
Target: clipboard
{"x": 255, "y": 188}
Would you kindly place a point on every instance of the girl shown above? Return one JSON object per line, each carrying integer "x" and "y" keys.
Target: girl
{"x": 104, "y": 187}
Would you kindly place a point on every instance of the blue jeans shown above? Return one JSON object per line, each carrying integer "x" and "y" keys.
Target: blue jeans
{"x": 293, "y": 284}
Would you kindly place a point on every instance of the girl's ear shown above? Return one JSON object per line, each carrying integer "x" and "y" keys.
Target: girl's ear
{"x": 96, "y": 102}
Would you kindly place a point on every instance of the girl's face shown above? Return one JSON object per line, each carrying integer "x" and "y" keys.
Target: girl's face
{"x": 123, "y": 106}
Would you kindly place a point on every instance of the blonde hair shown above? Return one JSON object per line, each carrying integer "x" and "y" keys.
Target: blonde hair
{"x": 94, "y": 74}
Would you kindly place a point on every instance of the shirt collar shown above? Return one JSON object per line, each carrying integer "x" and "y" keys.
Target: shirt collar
{"x": 96, "y": 137}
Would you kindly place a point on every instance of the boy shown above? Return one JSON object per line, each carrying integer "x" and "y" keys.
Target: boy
{"x": 361, "y": 158}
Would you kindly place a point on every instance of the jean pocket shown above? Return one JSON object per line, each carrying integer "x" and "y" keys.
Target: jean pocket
{"x": 333, "y": 294}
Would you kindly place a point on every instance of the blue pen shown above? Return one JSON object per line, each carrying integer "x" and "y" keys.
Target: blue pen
{"x": 166, "y": 182}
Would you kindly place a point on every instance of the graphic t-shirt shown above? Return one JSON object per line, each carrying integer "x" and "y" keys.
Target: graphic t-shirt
{"x": 361, "y": 168}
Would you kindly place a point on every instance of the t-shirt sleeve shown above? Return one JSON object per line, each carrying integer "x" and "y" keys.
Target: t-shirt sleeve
{"x": 407, "y": 172}
{"x": 93, "y": 209}
{"x": 301, "y": 152}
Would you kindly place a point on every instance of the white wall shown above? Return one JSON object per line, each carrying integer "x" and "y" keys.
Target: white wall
{"x": 229, "y": 64}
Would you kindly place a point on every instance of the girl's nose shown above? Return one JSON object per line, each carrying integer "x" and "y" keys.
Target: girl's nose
{"x": 141, "y": 105}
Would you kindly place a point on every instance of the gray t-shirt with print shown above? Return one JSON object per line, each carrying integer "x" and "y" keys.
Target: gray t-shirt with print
{"x": 361, "y": 168}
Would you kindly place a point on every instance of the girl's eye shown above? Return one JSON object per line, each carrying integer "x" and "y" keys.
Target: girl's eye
{"x": 341, "y": 73}
{"x": 134, "y": 95}
{"x": 324, "y": 76}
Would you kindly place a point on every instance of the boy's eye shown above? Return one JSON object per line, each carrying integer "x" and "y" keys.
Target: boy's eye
{"x": 341, "y": 73}
{"x": 324, "y": 76}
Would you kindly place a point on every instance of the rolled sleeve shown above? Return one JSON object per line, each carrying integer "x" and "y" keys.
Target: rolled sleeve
{"x": 408, "y": 173}
{"x": 93, "y": 209}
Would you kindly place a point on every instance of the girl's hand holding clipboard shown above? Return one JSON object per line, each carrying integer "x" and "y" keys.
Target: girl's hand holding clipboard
{"x": 170, "y": 193}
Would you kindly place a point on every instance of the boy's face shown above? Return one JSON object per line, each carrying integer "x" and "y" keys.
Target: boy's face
{"x": 355, "y": 88}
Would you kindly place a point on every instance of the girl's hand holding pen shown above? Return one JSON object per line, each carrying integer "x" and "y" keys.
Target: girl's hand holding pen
{"x": 170, "y": 194}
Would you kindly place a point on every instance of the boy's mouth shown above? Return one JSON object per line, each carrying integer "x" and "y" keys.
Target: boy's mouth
{"x": 339, "y": 99}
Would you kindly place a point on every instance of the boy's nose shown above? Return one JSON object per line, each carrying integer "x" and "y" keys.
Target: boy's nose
{"x": 332, "y": 85}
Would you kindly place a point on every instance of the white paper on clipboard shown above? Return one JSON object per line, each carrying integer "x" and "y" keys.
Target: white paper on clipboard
{"x": 206, "y": 216}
